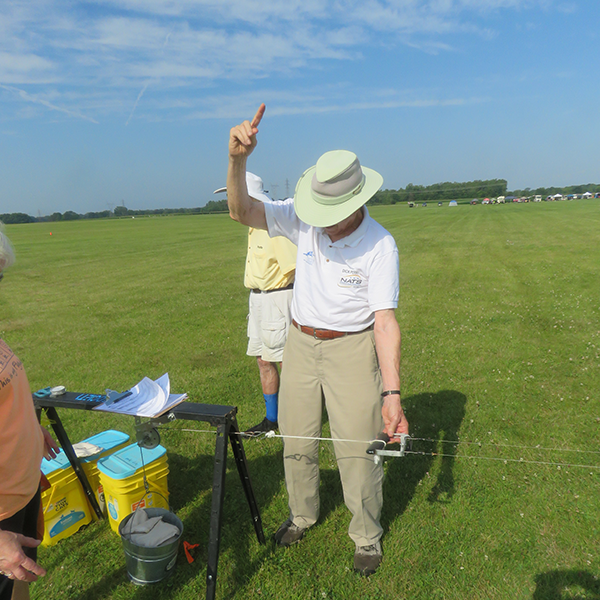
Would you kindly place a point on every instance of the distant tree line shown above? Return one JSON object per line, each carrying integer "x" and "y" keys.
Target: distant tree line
{"x": 490, "y": 188}
{"x": 442, "y": 191}
{"x": 565, "y": 191}
{"x": 213, "y": 206}
{"x": 12, "y": 218}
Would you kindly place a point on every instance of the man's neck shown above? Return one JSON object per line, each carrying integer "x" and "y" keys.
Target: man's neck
{"x": 337, "y": 233}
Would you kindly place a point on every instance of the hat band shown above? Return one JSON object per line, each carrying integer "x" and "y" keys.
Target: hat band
{"x": 334, "y": 200}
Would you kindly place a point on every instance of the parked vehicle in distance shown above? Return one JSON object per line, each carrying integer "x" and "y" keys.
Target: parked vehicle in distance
{"x": 501, "y": 199}
{"x": 537, "y": 198}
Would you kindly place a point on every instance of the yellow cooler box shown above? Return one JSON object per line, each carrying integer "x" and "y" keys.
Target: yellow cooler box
{"x": 65, "y": 505}
{"x": 122, "y": 477}
{"x": 109, "y": 441}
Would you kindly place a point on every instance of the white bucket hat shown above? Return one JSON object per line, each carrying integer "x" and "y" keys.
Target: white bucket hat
{"x": 255, "y": 187}
{"x": 334, "y": 188}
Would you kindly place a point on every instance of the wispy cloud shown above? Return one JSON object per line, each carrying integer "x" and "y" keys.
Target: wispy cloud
{"x": 136, "y": 102}
{"x": 35, "y": 100}
{"x": 92, "y": 55}
{"x": 333, "y": 99}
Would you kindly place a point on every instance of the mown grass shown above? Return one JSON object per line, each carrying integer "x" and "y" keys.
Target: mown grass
{"x": 500, "y": 317}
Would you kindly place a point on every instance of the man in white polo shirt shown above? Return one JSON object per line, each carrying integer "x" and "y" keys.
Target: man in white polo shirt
{"x": 344, "y": 347}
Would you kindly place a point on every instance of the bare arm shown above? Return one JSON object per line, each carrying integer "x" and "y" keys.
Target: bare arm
{"x": 387, "y": 345}
{"x": 242, "y": 141}
{"x": 50, "y": 446}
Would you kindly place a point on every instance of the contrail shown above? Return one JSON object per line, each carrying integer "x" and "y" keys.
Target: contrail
{"x": 29, "y": 98}
{"x": 136, "y": 102}
{"x": 147, "y": 84}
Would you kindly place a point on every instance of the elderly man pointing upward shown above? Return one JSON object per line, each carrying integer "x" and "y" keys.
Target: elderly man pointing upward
{"x": 344, "y": 347}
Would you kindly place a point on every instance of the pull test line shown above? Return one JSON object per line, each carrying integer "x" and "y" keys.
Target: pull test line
{"x": 419, "y": 453}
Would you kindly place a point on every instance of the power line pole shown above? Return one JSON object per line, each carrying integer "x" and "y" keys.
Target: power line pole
{"x": 287, "y": 188}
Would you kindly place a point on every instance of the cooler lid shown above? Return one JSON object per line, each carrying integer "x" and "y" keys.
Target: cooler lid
{"x": 107, "y": 440}
{"x": 126, "y": 462}
{"x": 60, "y": 462}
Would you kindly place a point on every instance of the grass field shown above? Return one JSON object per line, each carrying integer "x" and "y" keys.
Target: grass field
{"x": 500, "y": 318}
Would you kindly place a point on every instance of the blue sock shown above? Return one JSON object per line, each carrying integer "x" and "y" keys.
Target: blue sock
{"x": 271, "y": 405}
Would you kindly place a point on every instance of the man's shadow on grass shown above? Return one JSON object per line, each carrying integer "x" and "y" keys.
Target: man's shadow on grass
{"x": 432, "y": 416}
{"x": 566, "y": 585}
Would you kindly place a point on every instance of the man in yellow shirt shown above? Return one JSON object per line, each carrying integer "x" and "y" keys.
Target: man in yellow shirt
{"x": 270, "y": 270}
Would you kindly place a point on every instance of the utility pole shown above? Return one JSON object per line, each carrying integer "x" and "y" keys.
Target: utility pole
{"x": 287, "y": 188}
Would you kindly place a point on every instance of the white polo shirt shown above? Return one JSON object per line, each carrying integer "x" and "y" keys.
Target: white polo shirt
{"x": 339, "y": 285}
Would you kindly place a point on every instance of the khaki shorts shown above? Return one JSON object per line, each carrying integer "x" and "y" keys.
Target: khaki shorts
{"x": 269, "y": 320}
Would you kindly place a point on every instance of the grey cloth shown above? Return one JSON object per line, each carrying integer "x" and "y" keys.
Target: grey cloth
{"x": 149, "y": 532}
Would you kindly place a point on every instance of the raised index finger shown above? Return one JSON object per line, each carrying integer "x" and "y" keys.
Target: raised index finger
{"x": 259, "y": 115}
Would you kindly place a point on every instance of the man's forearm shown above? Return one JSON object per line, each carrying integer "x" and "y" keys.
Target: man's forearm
{"x": 387, "y": 345}
{"x": 238, "y": 200}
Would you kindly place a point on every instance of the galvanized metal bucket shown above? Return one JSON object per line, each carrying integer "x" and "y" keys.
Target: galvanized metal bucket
{"x": 151, "y": 565}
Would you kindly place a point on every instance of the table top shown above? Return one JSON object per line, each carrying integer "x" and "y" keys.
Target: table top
{"x": 215, "y": 414}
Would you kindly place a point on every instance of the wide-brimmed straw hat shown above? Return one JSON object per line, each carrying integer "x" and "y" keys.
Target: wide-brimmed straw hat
{"x": 255, "y": 187}
{"x": 334, "y": 188}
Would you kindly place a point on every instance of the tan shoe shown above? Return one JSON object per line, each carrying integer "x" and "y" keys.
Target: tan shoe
{"x": 367, "y": 559}
{"x": 289, "y": 534}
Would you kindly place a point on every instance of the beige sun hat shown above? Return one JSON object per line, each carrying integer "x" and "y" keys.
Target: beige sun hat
{"x": 256, "y": 188}
{"x": 334, "y": 188}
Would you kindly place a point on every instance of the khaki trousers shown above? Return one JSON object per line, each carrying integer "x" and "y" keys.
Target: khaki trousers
{"x": 343, "y": 375}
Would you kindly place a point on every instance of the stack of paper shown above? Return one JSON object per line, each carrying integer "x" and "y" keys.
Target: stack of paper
{"x": 148, "y": 399}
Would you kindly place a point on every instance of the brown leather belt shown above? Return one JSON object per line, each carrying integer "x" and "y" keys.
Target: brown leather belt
{"x": 324, "y": 334}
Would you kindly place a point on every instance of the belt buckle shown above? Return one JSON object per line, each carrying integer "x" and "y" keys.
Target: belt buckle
{"x": 315, "y": 333}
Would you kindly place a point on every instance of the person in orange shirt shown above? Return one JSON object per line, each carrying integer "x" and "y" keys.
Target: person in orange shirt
{"x": 23, "y": 443}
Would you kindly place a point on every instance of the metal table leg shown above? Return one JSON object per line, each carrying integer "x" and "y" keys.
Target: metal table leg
{"x": 67, "y": 447}
{"x": 242, "y": 467}
{"x": 216, "y": 510}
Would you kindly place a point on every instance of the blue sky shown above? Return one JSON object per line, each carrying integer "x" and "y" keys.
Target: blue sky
{"x": 109, "y": 102}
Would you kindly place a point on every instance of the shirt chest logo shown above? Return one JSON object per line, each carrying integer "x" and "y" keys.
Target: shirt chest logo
{"x": 350, "y": 279}
{"x": 309, "y": 257}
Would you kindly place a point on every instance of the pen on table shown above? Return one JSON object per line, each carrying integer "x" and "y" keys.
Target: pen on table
{"x": 113, "y": 397}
